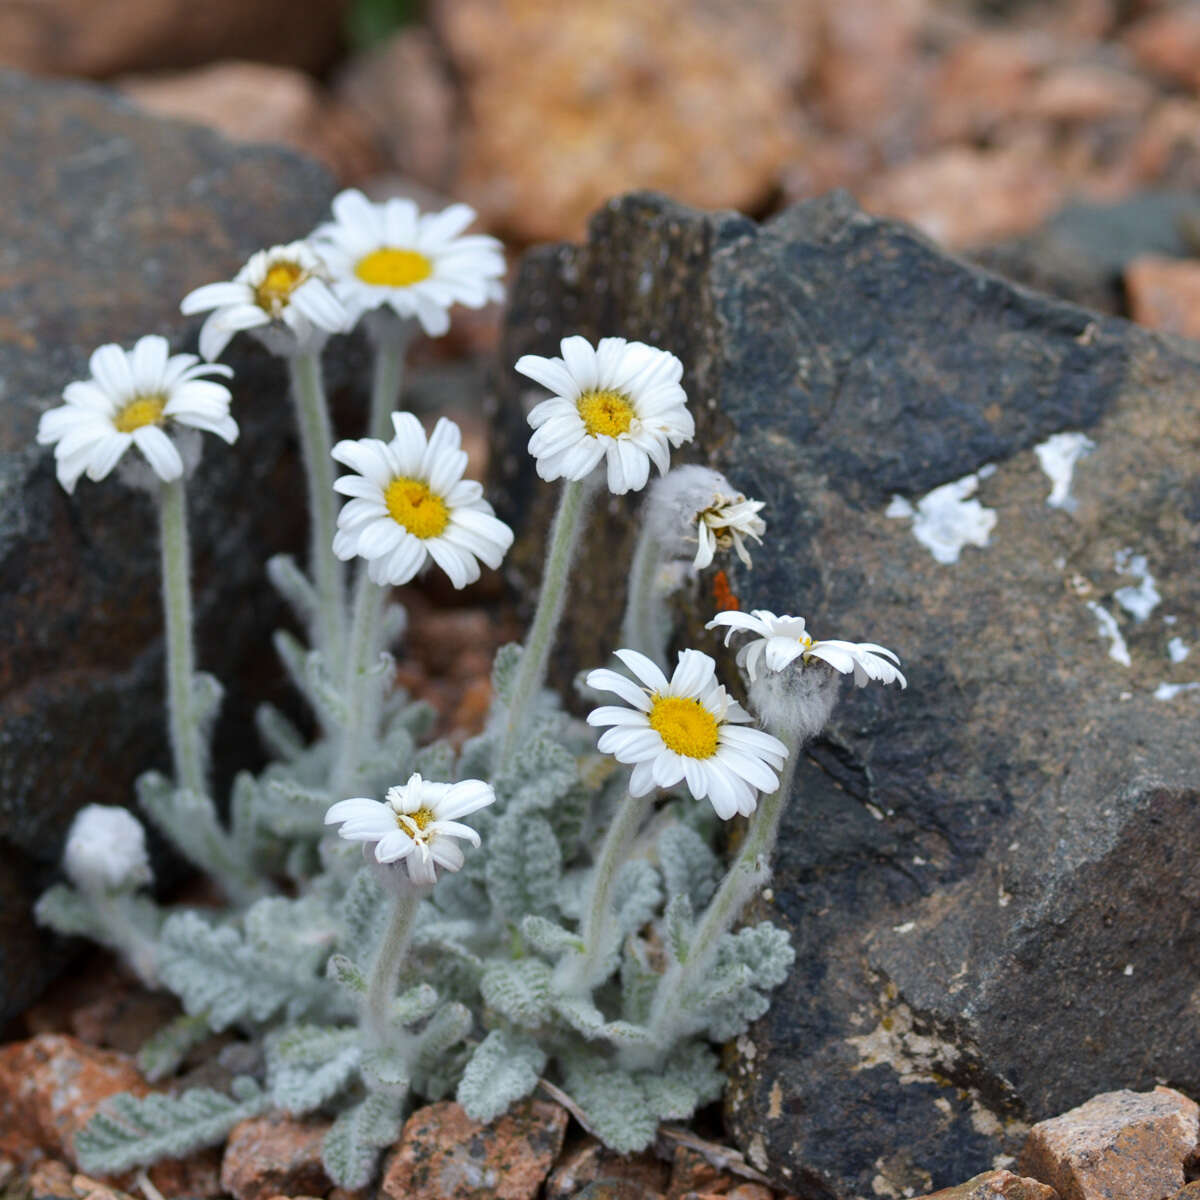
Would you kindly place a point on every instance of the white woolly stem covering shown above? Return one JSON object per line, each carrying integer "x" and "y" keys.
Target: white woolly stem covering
{"x": 363, "y": 685}
{"x": 391, "y": 344}
{"x": 381, "y": 985}
{"x": 643, "y": 626}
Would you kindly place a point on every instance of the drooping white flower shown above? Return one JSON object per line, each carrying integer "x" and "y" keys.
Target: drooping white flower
{"x": 281, "y": 293}
{"x": 417, "y": 823}
{"x": 409, "y": 503}
{"x": 417, "y": 264}
{"x": 106, "y": 850}
{"x": 697, "y": 506}
{"x": 781, "y": 640}
{"x": 619, "y": 401}
{"x": 686, "y": 728}
{"x": 133, "y": 398}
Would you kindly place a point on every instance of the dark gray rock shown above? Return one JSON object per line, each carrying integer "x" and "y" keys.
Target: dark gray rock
{"x": 989, "y": 878}
{"x": 109, "y": 218}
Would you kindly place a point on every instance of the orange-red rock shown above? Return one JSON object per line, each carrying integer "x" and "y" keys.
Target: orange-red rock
{"x": 275, "y": 1155}
{"x": 82, "y": 37}
{"x": 1088, "y": 92}
{"x": 1168, "y": 43}
{"x": 568, "y": 105}
{"x": 997, "y": 1185}
{"x": 254, "y": 102}
{"x": 1118, "y": 1146}
{"x": 444, "y": 1155}
{"x": 590, "y": 1161}
{"x": 1164, "y": 293}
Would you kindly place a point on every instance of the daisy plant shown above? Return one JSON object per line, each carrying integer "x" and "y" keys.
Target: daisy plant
{"x": 543, "y": 902}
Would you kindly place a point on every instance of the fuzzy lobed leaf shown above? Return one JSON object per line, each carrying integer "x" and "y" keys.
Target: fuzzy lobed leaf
{"x": 504, "y": 1068}
{"x": 352, "y": 1145}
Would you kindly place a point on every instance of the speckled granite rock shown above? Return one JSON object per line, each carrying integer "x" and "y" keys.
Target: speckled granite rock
{"x": 110, "y": 218}
{"x": 989, "y": 879}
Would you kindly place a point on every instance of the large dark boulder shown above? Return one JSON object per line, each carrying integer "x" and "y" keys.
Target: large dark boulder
{"x": 990, "y": 878}
{"x": 109, "y": 218}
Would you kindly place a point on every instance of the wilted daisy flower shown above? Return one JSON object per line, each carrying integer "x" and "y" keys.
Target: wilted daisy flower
{"x": 697, "y": 506}
{"x": 409, "y": 503}
{"x": 686, "y": 728}
{"x": 416, "y": 823}
{"x": 619, "y": 400}
{"x": 781, "y": 640}
{"x": 106, "y": 850}
{"x": 132, "y": 398}
{"x": 416, "y": 264}
{"x": 280, "y": 292}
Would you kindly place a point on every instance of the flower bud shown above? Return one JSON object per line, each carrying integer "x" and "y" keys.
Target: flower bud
{"x": 106, "y": 850}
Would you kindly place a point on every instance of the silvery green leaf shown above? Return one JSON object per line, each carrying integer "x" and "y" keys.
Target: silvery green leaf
{"x": 548, "y": 938}
{"x": 626, "y": 1034}
{"x": 207, "y": 694}
{"x": 346, "y": 974}
{"x": 351, "y": 1148}
{"x": 518, "y": 990}
{"x": 280, "y": 737}
{"x": 392, "y": 623}
{"x": 505, "y": 666}
{"x": 539, "y": 773}
{"x": 244, "y": 799}
{"x": 689, "y": 867}
{"x": 615, "y": 1105}
{"x": 764, "y": 948}
{"x": 400, "y": 711}
{"x": 435, "y": 761}
{"x": 524, "y": 863}
{"x": 636, "y": 895}
{"x": 64, "y": 910}
{"x": 294, "y": 586}
{"x": 448, "y": 1026}
{"x": 163, "y": 1052}
{"x": 301, "y": 930}
{"x": 504, "y": 1068}
{"x": 131, "y": 1131}
{"x": 414, "y": 1005}
{"x": 386, "y": 1070}
{"x": 690, "y": 1078}
{"x": 309, "y": 677}
{"x": 291, "y": 810}
{"x": 639, "y": 981}
{"x": 362, "y": 916}
{"x": 478, "y": 754}
{"x": 581, "y": 1014}
{"x": 307, "y": 1065}
{"x": 677, "y": 924}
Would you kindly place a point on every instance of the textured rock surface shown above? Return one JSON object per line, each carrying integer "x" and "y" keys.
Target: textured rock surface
{"x": 113, "y": 216}
{"x": 590, "y": 1161}
{"x": 275, "y": 1155}
{"x": 997, "y": 1185}
{"x": 1118, "y": 1146}
{"x": 988, "y": 878}
{"x": 444, "y": 1155}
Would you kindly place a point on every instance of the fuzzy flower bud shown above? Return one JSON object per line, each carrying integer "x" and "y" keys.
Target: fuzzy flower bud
{"x": 694, "y": 511}
{"x": 106, "y": 850}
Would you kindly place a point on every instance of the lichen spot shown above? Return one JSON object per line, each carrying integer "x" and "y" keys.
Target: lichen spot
{"x": 140, "y": 411}
{"x": 684, "y": 725}
{"x": 412, "y": 504}
{"x": 393, "y": 268}
{"x": 281, "y": 280}
{"x": 605, "y": 413}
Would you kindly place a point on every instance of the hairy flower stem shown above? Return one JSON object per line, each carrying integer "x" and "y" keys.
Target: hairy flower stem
{"x": 564, "y": 540}
{"x": 362, "y": 683}
{"x": 381, "y": 985}
{"x": 581, "y": 973}
{"x": 316, "y": 441}
{"x": 391, "y": 344}
{"x": 187, "y": 746}
{"x": 114, "y": 912}
{"x": 642, "y": 627}
{"x": 749, "y": 872}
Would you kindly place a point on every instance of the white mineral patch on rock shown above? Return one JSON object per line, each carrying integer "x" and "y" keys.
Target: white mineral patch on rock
{"x": 1178, "y": 650}
{"x": 1140, "y": 599}
{"x": 946, "y": 519}
{"x": 1057, "y": 456}
{"x": 1111, "y": 630}
{"x": 1168, "y": 691}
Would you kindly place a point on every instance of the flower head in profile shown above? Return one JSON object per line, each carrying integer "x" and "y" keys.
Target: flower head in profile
{"x": 695, "y": 506}
{"x": 409, "y": 503}
{"x": 686, "y": 728}
{"x": 417, "y": 264}
{"x": 416, "y": 824}
{"x": 779, "y": 641}
{"x": 618, "y": 401}
{"x": 280, "y": 293}
{"x": 106, "y": 850}
{"x": 133, "y": 398}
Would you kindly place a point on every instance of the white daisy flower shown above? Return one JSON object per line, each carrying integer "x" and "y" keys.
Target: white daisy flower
{"x": 281, "y": 292}
{"x": 106, "y": 850}
{"x": 416, "y": 823}
{"x": 418, "y": 264}
{"x": 688, "y": 728}
{"x": 132, "y": 398}
{"x": 727, "y": 521}
{"x": 619, "y": 400}
{"x": 409, "y": 503}
{"x": 781, "y": 640}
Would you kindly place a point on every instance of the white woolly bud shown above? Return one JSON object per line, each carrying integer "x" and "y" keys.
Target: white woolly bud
{"x": 693, "y": 511}
{"x": 106, "y": 850}
{"x": 795, "y": 705}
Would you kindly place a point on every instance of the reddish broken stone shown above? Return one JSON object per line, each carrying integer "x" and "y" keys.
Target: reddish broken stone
{"x": 1164, "y": 293}
{"x": 590, "y": 1161}
{"x": 444, "y": 1155}
{"x": 997, "y": 1185}
{"x": 274, "y": 1155}
{"x": 1118, "y": 1146}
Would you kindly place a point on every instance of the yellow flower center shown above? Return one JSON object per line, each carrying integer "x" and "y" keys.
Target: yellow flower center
{"x": 141, "y": 410}
{"x": 391, "y": 267}
{"x": 412, "y": 504}
{"x": 282, "y": 279}
{"x": 605, "y": 413}
{"x": 416, "y": 822}
{"x": 685, "y": 726}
